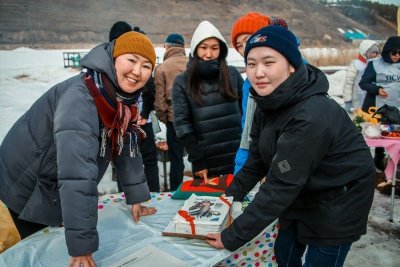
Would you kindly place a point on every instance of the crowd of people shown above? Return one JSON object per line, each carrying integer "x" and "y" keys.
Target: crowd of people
{"x": 273, "y": 126}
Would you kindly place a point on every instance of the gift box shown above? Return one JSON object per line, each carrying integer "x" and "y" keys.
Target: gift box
{"x": 200, "y": 215}
{"x": 215, "y": 187}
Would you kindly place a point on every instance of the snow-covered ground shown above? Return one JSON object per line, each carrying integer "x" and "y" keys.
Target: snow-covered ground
{"x": 25, "y": 74}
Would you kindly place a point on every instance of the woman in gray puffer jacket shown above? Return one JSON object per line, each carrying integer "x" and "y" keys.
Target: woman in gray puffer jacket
{"x": 206, "y": 105}
{"x": 55, "y": 155}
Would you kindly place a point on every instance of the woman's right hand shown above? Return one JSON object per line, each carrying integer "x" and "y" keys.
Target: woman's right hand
{"x": 85, "y": 261}
{"x": 383, "y": 93}
{"x": 203, "y": 174}
{"x": 138, "y": 210}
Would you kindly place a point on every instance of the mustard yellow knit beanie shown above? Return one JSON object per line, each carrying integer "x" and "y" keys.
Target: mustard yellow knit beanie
{"x": 135, "y": 43}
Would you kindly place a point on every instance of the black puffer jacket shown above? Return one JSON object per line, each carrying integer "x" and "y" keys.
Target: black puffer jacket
{"x": 320, "y": 173}
{"x": 50, "y": 164}
{"x": 211, "y": 130}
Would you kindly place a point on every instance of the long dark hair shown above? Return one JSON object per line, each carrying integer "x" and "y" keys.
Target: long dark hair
{"x": 194, "y": 79}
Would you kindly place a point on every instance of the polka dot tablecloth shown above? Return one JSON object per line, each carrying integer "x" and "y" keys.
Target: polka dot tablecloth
{"x": 120, "y": 198}
{"x": 257, "y": 253}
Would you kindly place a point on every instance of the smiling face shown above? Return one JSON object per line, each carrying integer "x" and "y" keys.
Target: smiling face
{"x": 133, "y": 71}
{"x": 266, "y": 69}
{"x": 208, "y": 49}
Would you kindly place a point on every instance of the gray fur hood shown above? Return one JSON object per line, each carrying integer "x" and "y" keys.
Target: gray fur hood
{"x": 101, "y": 60}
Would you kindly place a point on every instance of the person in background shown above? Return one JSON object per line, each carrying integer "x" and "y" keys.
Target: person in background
{"x": 320, "y": 170}
{"x": 146, "y": 120}
{"x": 138, "y": 29}
{"x": 206, "y": 105}
{"x": 381, "y": 77}
{"x": 242, "y": 29}
{"x": 117, "y": 29}
{"x": 55, "y": 154}
{"x": 174, "y": 63}
{"x": 381, "y": 80}
{"x": 353, "y": 96}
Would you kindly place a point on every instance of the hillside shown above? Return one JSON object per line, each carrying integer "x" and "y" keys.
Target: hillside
{"x": 41, "y": 23}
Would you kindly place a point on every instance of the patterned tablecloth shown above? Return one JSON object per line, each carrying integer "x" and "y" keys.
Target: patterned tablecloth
{"x": 120, "y": 236}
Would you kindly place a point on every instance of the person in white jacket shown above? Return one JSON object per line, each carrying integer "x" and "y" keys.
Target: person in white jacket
{"x": 353, "y": 96}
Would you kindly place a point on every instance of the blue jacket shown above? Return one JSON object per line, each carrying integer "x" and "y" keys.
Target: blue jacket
{"x": 242, "y": 154}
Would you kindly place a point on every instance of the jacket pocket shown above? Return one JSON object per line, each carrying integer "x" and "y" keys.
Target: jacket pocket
{"x": 43, "y": 207}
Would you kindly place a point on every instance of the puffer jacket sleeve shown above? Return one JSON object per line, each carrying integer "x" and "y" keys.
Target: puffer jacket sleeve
{"x": 183, "y": 123}
{"x": 76, "y": 130}
{"x": 349, "y": 82}
{"x": 131, "y": 174}
{"x": 238, "y": 82}
{"x": 196, "y": 154}
{"x": 299, "y": 151}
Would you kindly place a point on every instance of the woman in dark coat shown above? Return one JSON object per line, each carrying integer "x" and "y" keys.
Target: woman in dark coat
{"x": 320, "y": 172}
{"x": 54, "y": 156}
{"x": 206, "y": 105}
{"x": 381, "y": 80}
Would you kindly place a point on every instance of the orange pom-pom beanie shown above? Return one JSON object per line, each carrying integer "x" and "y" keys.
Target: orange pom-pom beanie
{"x": 249, "y": 23}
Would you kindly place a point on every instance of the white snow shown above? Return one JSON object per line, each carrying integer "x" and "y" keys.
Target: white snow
{"x": 25, "y": 74}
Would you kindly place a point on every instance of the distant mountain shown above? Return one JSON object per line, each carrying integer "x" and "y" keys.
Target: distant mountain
{"x": 41, "y": 23}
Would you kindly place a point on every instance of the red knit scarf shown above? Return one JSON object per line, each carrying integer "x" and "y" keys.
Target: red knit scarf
{"x": 118, "y": 122}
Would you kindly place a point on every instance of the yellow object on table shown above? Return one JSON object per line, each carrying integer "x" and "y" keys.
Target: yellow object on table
{"x": 368, "y": 117}
{"x": 8, "y": 233}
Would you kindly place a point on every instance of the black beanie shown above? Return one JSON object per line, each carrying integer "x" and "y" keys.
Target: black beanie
{"x": 393, "y": 43}
{"x": 279, "y": 39}
{"x": 137, "y": 29}
{"x": 119, "y": 28}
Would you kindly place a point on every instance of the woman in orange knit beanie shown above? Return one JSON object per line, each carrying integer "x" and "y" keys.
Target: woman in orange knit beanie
{"x": 245, "y": 26}
{"x": 55, "y": 155}
{"x": 242, "y": 29}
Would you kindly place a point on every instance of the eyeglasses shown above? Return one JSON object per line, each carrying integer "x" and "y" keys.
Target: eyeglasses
{"x": 395, "y": 52}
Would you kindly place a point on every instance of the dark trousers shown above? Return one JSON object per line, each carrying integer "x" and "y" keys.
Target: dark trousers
{"x": 175, "y": 154}
{"x": 378, "y": 158}
{"x": 25, "y": 228}
{"x": 148, "y": 150}
{"x": 288, "y": 252}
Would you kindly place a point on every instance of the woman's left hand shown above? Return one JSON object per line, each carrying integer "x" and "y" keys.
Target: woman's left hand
{"x": 214, "y": 239}
{"x": 138, "y": 210}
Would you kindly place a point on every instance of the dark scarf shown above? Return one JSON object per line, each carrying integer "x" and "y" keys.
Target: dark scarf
{"x": 207, "y": 70}
{"x": 118, "y": 113}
